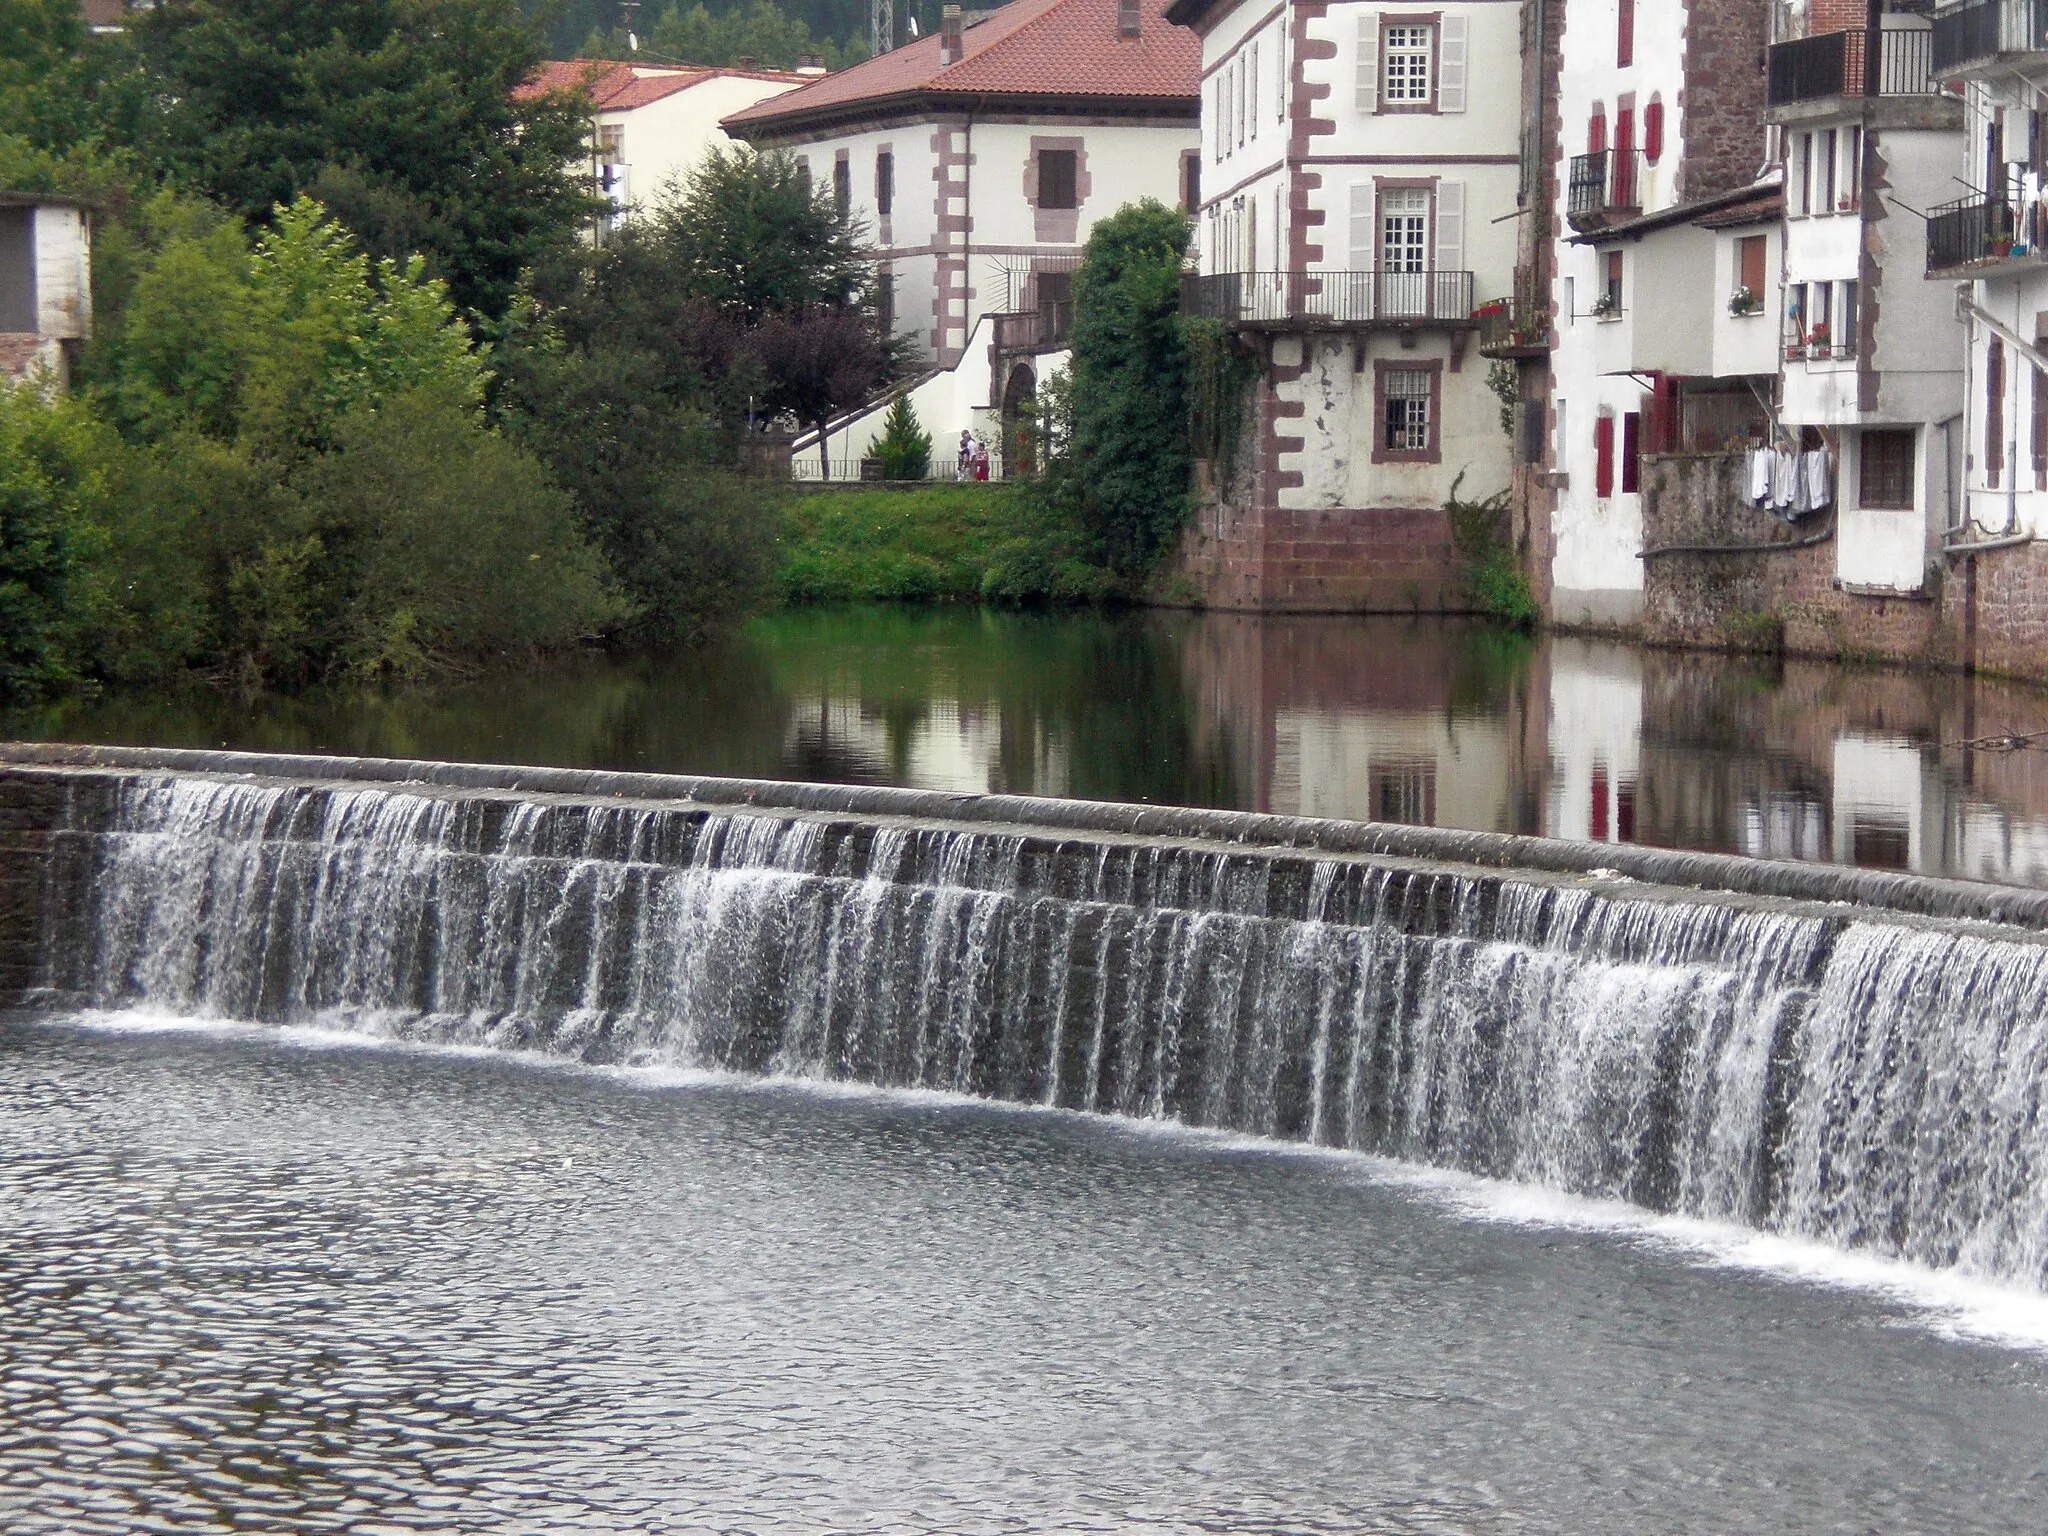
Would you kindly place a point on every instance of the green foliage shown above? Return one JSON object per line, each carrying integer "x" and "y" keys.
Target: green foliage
{"x": 772, "y": 36}
{"x": 1129, "y": 451}
{"x": 1501, "y": 379}
{"x": 1219, "y": 380}
{"x": 50, "y": 465}
{"x": 397, "y": 114}
{"x": 933, "y": 544}
{"x": 746, "y": 233}
{"x": 1493, "y": 575}
{"x": 904, "y": 447}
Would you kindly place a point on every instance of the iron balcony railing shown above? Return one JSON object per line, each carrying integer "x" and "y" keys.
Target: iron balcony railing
{"x": 1977, "y": 230}
{"x": 1512, "y": 327}
{"x": 1036, "y": 330}
{"x": 1329, "y": 298}
{"x": 1838, "y": 64}
{"x": 1604, "y": 186}
{"x": 1975, "y": 34}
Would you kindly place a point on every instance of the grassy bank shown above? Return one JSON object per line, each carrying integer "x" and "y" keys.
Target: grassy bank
{"x": 935, "y": 544}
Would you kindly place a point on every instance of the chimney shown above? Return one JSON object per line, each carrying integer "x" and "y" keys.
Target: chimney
{"x": 1127, "y": 20}
{"x": 811, "y": 64}
{"x": 949, "y": 35}
{"x": 745, "y": 61}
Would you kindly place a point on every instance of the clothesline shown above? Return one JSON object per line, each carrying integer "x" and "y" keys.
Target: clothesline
{"x": 1789, "y": 483}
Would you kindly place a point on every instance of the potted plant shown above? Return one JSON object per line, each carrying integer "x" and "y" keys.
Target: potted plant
{"x": 1607, "y": 307}
{"x": 1817, "y": 342}
{"x": 1745, "y": 301}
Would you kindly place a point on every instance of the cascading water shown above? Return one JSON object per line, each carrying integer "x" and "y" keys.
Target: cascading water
{"x": 1852, "y": 1078}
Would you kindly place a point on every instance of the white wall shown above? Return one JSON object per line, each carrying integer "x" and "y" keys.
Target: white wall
{"x": 1747, "y": 344}
{"x": 666, "y": 138}
{"x": 63, "y": 257}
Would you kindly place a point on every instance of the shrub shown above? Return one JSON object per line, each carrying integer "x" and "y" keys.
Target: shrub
{"x": 50, "y": 459}
{"x": 904, "y": 448}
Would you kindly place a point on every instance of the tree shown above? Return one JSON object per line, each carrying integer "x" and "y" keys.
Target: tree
{"x": 400, "y": 115}
{"x": 904, "y": 447}
{"x": 1130, "y": 428}
{"x": 821, "y": 361}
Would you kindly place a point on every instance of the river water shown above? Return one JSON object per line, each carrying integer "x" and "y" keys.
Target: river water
{"x": 1437, "y": 722}
{"x": 273, "y": 1280}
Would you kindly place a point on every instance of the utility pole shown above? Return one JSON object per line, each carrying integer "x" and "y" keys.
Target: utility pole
{"x": 881, "y": 26}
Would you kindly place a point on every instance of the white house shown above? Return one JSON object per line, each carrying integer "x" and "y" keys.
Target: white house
{"x": 1872, "y": 359}
{"x": 653, "y": 122}
{"x": 979, "y": 159}
{"x": 1359, "y": 166}
{"x": 45, "y": 285}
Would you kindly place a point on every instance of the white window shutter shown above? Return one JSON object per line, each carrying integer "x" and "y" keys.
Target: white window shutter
{"x": 1364, "y": 240}
{"x": 1450, "y": 226}
{"x": 1450, "y": 81}
{"x": 1369, "y": 62}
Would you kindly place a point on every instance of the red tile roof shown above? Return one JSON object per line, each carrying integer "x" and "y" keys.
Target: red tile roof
{"x": 619, "y": 87}
{"x": 1046, "y": 48}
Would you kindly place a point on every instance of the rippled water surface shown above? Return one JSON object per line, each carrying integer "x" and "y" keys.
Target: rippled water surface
{"x": 248, "y": 1282}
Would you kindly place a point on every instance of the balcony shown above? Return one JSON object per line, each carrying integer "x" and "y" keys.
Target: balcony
{"x": 1604, "y": 188}
{"x": 1989, "y": 37}
{"x": 1516, "y": 327}
{"x": 1329, "y": 300}
{"x": 1971, "y": 236}
{"x": 1835, "y": 65}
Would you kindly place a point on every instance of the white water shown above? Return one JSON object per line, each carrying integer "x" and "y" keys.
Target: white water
{"x": 1826, "y": 1080}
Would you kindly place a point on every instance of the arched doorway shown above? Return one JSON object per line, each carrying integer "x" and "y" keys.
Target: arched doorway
{"x": 1020, "y": 421}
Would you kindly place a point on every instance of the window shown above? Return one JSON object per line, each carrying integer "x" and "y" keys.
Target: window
{"x": 1603, "y": 455}
{"x": 1828, "y": 169}
{"x": 1056, "y": 306}
{"x": 1404, "y": 230}
{"x": 1845, "y": 322}
{"x": 1251, "y": 92}
{"x": 611, "y": 144}
{"x": 1749, "y": 263}
{"x": 1885, "y": 469}
{"x": 1653, "y": 131}
{"x": 803, "y": 174}
{"x": 1631, "y": 452}
{"x": 1621, "y": 183}
{"x": 1571, "y": 300}
{"x": 1596, "y": 131}
{"x": 1610, "y": 293}
{"x": 1802, "y": 175}
{"x": 842, "y": 186}
{"x": 1625, "y": 34}
{"x": 1819, "y": 332}
{"x": 1056, "y": 178}
{"x": 1852, "y": 166}
{"x": 1560, "y": 448}
{"x": 1406, "y": 425}
{"x": 1994, "y": 411}
{"x": 1406, "y": 59}
{"x": 885, "y": 181}
{"x": 1191, "y": 177}
{"x": 1237, "y": 98}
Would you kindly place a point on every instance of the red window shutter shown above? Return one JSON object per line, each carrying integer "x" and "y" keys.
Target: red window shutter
{"x": 1631, "y": 451}
{"x": 1596, "y": 133}
{"x": 1994, "y": 410}
{"x": 1603, "y": 456}
{"x": 1625, "y": 35}
{"x": 1653, "y": 132}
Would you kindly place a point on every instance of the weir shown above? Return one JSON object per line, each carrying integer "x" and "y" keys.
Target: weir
{"x": 1831, "y": 1054}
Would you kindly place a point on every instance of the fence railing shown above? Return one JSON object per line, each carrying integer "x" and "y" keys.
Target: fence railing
{"x": 1703, "y": 423}
{"x": 1375, "y": 297}
{"x": 1969, "y": 34}
{"x": 1963, "y": 233}
{"x": 1838, "y": 64}
{"x": 1604, "y": 185}
{"x": 1037, "y": 330}
{"x": 945, "y": 468}
{"x": 1512, "y": 325}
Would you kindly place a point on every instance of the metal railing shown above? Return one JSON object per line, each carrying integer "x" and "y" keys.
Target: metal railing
{"x": 1973, "y": 230}
{"x": 1512, "y": 325}
{"x": 1838, "y": 64}
{"x": 1710, "y": 422}
{"x": 805, "y": 469}
{"x": 1036, "y": 330}
{"x": 1978, "y": 32}
{"x": 1328, "y": 298}
{"x": 1603, "y": 185}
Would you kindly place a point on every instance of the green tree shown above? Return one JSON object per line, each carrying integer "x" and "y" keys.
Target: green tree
{"x": 401, "y": 115}
{"x": 1129, "y": 452}
{"x": 51, "y": 458}
{"x": 904, "y": 447}
{"x": 747, "y": 233}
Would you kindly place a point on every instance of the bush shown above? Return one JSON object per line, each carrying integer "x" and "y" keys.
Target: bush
{"x": 904, "y": 447}
{"x": 50, "y": 462}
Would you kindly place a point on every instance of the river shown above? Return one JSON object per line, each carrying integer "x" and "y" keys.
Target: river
{"x": 1426, "y": 721}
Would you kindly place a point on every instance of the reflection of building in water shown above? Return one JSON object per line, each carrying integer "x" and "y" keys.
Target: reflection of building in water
{"x": 1888, "y": 804}
{"x": 1427, "y": 769}
{"x": 938, "y": 743}
{"x": 1596, "y": 725}
{"x": 1785, "y": 824}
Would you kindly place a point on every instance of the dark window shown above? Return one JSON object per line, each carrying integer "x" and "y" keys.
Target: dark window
{"x": 885, "y": 303}
{"x": 1994, "y": 410}
{"x": 1625, "y": 35}
{"x": 17, "y": 270}
{"x": 1750, "y": 257}
{"x": 1191, "y": 193}
{"x": 1885, "y": 470}
{"x": 1880, "y": 843}
{"x": 1056, "y": 178}
{"x": 1612, "y": 292}
{"x": 885, "y": 182}
{"x": 1603, "y": 455}
{"x": 1631, "y": 452}
{"x": 1404, "y": 793}
{"x": 842, "y": 186}
{"x": 1056, "y": 306}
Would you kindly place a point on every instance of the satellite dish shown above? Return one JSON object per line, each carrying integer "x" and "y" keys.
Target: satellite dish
{"x": 913, "y": 27}
{"x": 632, "y": 43}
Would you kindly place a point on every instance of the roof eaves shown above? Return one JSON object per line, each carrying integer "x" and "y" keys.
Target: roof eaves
{"x": 1664, "y": 218}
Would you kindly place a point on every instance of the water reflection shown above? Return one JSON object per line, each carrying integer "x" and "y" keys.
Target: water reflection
{"x": 1424, "y": 721}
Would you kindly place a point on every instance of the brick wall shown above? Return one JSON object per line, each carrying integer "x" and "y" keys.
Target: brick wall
{"x": 30, "y": 810}
{"x": 1721, "y": 108}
